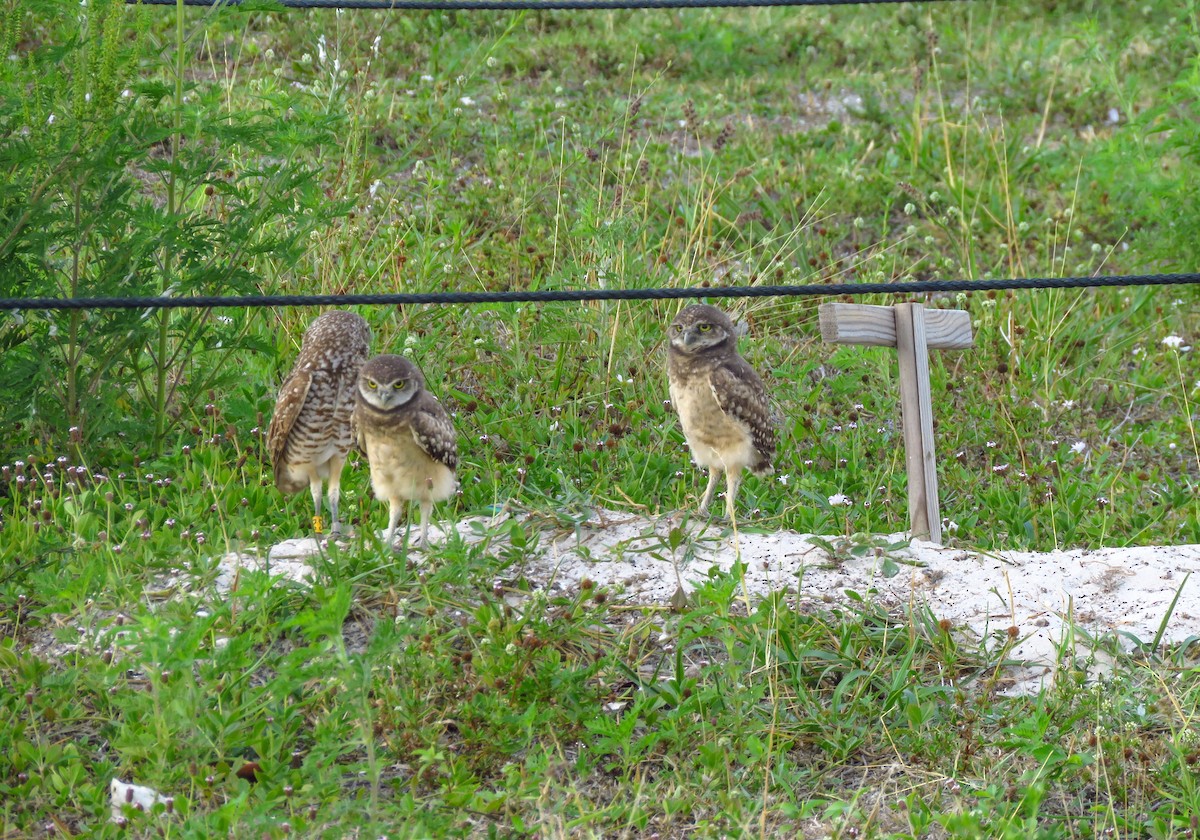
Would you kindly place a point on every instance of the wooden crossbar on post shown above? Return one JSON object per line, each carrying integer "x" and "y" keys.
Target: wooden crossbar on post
{"x": 913, "y": 330}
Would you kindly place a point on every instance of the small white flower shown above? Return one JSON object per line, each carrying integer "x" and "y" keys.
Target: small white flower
{"x": 949, "y": 526}
{"x": 1078, "y": 447}
{"x": 491, "y": 61}
{"x": 839, "y": 500}
{"x": 374, "y": 188}
{"x": 321, "y": 49}
{"x": 1172, "y": 341}
{"x": 783, "y": 479}
{"x": 909, "y": 209}
{"x": 50, "y": 120}
{"x": 410, "y": 342}
{"x": 991, "y": 444}
{"x": 1068, "y": 404}
{"x": 999, "y": 468}
{"x": 427, "y": 78}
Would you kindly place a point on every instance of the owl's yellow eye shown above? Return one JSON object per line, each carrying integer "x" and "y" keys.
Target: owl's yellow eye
{"x": 704, "y": 327}
{"x": 372, "y": 384}
{"x": 399, "y": 386}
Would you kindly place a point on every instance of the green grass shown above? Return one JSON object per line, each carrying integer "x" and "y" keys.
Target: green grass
{"x": 557, "y": 150}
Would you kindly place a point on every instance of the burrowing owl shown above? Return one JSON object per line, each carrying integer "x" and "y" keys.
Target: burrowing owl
{"x": 721, "y": 401}
{"x": 407, "y": 436}
{"x": 309, "y": 436}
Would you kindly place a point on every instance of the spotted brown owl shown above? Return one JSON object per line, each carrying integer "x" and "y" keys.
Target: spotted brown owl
{"x": 408, "y": 439}
{"x": 721, "y": 401}
{"x": 309, "y": 435}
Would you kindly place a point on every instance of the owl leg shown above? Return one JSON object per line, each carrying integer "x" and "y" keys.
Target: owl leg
{"x": 711, "y": 491}
{"x": 426, "y": 514}
{"x": 335, "y": 493}
{"x": 395, "y": 506}
{"x": 733, "y": 480}
{"x": 314, "y": 487}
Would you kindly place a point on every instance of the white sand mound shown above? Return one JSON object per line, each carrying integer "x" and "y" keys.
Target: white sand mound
{"x": 1043, "y": 595}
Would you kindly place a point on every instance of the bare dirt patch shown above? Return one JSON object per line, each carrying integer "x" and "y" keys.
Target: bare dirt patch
{"x": 1046, "y": 596}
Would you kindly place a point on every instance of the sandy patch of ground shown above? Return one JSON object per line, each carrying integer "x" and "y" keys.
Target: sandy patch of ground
{"x": 1044, "y": 595}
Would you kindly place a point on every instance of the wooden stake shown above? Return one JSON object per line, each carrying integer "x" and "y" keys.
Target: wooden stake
{"x": 912, "y": 330}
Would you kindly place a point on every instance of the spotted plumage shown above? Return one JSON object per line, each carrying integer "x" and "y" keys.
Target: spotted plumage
{"x": 407, "y": 436}
{"x": 309, "y": 435}
{"x": 721, "y": 402}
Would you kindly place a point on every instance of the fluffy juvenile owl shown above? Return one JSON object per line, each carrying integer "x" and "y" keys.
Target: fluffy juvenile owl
{"x": 721, "y": 401}
{"x": 309, "y": 435}
{"x": 407, "y": 436}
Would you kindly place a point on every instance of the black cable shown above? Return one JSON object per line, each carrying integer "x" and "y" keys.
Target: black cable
{"x": 522, "y": 5}
{"x": 919, "y": 287}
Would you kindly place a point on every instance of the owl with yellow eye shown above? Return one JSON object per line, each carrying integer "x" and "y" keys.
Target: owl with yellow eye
{"x": 409, "y": 441}
{"x": 721, "y": 401}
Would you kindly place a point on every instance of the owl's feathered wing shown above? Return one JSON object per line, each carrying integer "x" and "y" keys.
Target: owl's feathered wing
{"x": 740, "y": 393}
{"x": 433, "y": 431}
{"x": 357, "y": 442}
{"x": 287, "y": 408}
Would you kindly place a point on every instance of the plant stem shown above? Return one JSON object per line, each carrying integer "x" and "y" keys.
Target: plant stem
{"x": 164, "y": 317}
